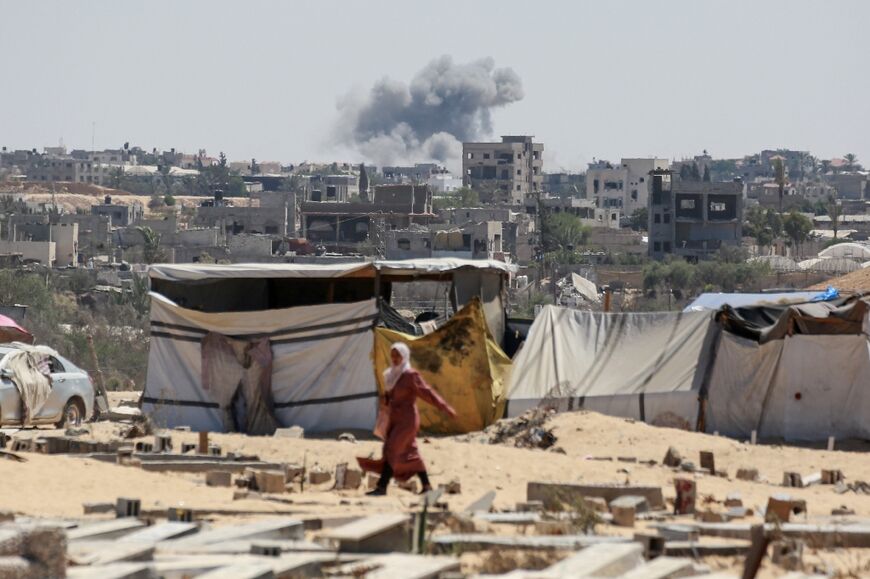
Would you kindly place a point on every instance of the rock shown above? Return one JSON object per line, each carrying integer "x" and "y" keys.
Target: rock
{"x": 347, "y": 437}
{"x": 673, "y": 458}
{"x": 453, "y": 487}
{"x": 291, "y": 432}
{"x": 80, "y": 431}
{"x": 687, "y": 466}
{"x": 842, "y": 511}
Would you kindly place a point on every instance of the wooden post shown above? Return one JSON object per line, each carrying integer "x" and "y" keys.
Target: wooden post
{"x": 102, "y": 398}
{"x": 203, "y": 443}
{"x": 756, "y": 551}
{"x": 607, "y": 298}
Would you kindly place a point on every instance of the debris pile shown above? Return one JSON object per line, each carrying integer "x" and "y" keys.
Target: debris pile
{"x": 525, "y": 431}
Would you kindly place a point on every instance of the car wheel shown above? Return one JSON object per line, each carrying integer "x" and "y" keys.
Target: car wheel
{"x": 73, "y": 414}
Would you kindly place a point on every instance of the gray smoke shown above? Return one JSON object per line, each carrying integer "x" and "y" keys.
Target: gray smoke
{"x": 445, "y": 104}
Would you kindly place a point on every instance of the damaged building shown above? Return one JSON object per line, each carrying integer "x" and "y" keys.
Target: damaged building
{"x": 693, "y": 219}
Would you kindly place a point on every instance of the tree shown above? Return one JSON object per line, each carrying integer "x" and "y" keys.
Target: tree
{"x": 834, "y": 211}
{"x": 696, "y": 173}
{"x": 851, "y": 162}
{"x": 826, "y": 166}
{"x": 236, "y": 187}
{"x": 564, "y": 232}
{"x": 255, "y": 167}
{"x": 797, "y": 227}
{"x": 707, "y": 173}
{"x": 640, "y": 219}
{"x": 151, "y": 250}
{"x": 780, "y": 178}
{"x": 468, "y": 197}
{"x": 169, "y": 200}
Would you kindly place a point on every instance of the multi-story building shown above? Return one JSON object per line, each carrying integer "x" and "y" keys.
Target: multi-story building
{"x": 470, "y": 241}
{"x": 505, "y": 172}
{"x": 693, "y": 219}
{"x": 622, "y": 186}
{"x": 120, "y": 215}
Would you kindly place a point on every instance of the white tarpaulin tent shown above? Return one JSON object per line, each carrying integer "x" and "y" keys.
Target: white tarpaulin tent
{"x": 802, "y": 387}
{"x": 804, "y": 377}
{"x": 647, "y": 366}
{"x": 322, "y": 377}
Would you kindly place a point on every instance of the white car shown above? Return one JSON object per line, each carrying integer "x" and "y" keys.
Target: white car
{"x": 72, "y": 393}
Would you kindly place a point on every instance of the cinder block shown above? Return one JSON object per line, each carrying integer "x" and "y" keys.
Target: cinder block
{"x": 782, "y": 507}
{"x": 126, "y": 507}
{"x": 270, "y": 481}
{"x": 318, "y": 476}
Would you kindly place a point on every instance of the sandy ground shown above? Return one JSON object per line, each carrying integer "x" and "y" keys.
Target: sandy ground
{"x": 56, "y": 486}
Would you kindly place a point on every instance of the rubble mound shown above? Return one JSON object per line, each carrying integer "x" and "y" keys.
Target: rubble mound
{"x": 525, "y": 431}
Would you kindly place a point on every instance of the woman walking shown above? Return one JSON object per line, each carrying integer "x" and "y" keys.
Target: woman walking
{"x": 401, "y": 457}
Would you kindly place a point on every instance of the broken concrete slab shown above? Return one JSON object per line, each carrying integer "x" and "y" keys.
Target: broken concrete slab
{"x": 98, "y": 508}
{"x": 482, "y": 504}
{"x": 602, "y": 560}
{"x": 638, "y": 503}
{"x": 242, "y": 547}
{"x": 702, "y": 549}
{"x": 402, "y": 566}
{"x": 483, "y": 541}
{"x": 108, "y": 552}
{"x": 833, "y": 535}
{"x": 248, "y": 570}
{"x": 113, "y": 571}
{"x": 508, "y": 518}
{"x": 270, "y": 529}
{"x": 160, "y": 532}
{"x": 373, "y": 534}
{"x": 205, "y": 465}
{"x": 541, "y": 491}
{"x": 662, "y": 568}
{"x": 105, "y": 530}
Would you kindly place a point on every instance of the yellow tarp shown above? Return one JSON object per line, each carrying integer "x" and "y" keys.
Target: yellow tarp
{"x": 462, "y": 362}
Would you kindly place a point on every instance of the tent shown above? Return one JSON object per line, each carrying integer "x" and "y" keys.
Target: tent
{"x": 462, "y": 362}
{"x": 250, "y": 347}
{"x": 321, "y": 375}
{"x": 643, "y": 366}
{"x": 787, "y": 371}
{"x": 10, "y": 331}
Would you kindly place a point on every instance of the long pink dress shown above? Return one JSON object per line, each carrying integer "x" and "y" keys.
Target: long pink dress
{"x": 400, "y": 446}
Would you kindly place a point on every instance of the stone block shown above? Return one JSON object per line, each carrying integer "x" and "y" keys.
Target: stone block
{"x": 318, "y": 476}
{"x": 270, "y": 481}
{"x": 782, "y": 507}
{"x": 750, "y": 474}
{"x": 218, "y": 478}
{"x": 673, "y": 458}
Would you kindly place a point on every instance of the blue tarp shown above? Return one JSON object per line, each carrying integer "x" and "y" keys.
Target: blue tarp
{"x": 714, "y": 301}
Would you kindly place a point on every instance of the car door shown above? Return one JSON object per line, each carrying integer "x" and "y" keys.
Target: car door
{"x": 61, "y": 380}
{"x": 10, "y": 402}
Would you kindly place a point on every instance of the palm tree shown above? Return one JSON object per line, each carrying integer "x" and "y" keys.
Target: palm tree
{"x": 851, "y": 159}
{"x": 151, "y": 250}
{"x": 826, "y": 166}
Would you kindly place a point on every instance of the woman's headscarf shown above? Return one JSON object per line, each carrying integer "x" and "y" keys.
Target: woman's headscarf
{"x": 394, "y": 372}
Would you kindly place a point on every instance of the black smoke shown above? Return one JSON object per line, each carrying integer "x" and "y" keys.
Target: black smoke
{"x": 445, "y": 103}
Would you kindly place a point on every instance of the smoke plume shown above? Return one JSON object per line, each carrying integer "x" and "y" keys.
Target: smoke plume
{"x": 445, "y": 104}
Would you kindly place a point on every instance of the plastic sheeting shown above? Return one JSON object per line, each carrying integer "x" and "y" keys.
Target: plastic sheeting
{"x": 800, "y": 388}
{"x": 322, "y": 377}
{"x": 28, "y": 369}
{"x": 647, "y": 366}
{"x": 462, "y": 362}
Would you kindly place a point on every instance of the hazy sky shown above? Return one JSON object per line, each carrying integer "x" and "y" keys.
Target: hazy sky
{"x": 600, "y": 79}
